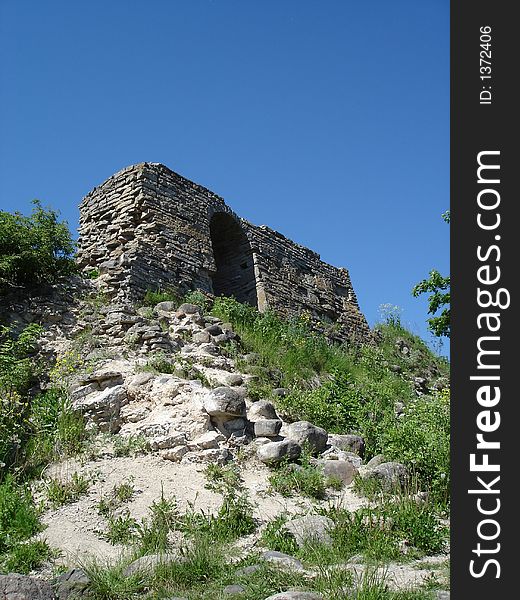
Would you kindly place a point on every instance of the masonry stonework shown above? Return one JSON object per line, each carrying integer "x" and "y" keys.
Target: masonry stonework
{"x": 147, "y": 227}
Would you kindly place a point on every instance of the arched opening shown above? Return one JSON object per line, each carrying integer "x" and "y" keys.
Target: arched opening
{"x": 235, "y": 274}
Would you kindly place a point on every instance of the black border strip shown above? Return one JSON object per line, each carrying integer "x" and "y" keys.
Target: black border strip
{"x": 478, "y": 127}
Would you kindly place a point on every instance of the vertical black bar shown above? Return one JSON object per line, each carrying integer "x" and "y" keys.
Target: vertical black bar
{"x": 483, "y": 121}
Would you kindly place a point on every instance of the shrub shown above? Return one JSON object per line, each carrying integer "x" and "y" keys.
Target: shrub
{"x": 34, "y": 250}
{"x": 17, "y": 369}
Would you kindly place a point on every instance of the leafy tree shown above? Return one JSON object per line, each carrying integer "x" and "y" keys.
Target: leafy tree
{"x": 34, "y": 249}
{"x": 439, "y": 299}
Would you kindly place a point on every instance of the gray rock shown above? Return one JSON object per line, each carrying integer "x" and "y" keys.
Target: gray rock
{"x": 267, "y": 427}
{"x": 295, "y": 595}
{"x": 234, "y": 590}
{"x": 282, "y": 560}
{"x": 166, "y": 306}
{"x": 305, "y": 433}
{"x": 342, "y": 469}
{"x": 442, "y": 595}
{"x": 391, "y": 475}
{"x": 262, "y": 410}
{"x": 233, "y": 379}
{"x": 377, "y": 460}
{"x": 225, "y": 402}
{"x": 103, "y": 407}
{"x": 214, "y": 329}
{"x": 249, "y": 570}
{"x": 73, "y": 583}
{"x": 310, "y": 528}
{"x": 21, "y": 587}
{"x": 274, "y": 452}
{"x": 348, "y": 442}
{"x": 148, "y": 563}
{"x": 235, "y": 424}
{"x": 201, "y": 337}
{"x": 189, "y": 309}
{"x": 280, "y": 392}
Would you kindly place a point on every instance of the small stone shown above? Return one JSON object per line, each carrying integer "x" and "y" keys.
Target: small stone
{"x": 234, "y": 590}
{"x": 73, "y": 583}
{"x": 201, "y": 337}
{"x": 148, "y": 563}
{"x": 209, "y": 440}
{"x": 283, "y": 560}
{"x": 166, "y": 306}
{"x": 174, "y": 454}
{"x": 295, "y": 595}
{"x": 214, "y": 329}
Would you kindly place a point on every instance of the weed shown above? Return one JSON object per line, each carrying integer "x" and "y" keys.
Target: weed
{"x": 65, "y": 492}
{"x": 153, "y": 297}
{"x": 121, "y": 529}
{"x": 130, "y": 446}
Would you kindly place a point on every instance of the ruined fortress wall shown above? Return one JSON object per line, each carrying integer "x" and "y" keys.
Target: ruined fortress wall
{"x": 148, "y": 228}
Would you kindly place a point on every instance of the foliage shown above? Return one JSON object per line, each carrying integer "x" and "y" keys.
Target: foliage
{"x": 153, "y": 297}
{"x": 34, "y": 249}
{"x": 421, "y": 439}
{"x": 438, "y": 287}
{"x": 18, "y": 514}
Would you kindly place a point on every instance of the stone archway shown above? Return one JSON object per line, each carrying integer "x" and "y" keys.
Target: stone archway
{"x": 235, "y": 272}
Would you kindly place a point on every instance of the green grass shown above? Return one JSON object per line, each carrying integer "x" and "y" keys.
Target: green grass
{"x": 352, "y": 389}
{"x": 61, "y": 492}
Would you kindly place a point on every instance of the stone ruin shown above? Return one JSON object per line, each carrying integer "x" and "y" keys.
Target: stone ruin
{"x": 147, "y": 227}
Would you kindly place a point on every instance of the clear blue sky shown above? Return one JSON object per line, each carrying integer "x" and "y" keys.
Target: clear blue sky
{"x": 327, "y": 120}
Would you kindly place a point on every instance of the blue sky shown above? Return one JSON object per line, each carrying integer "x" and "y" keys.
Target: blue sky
{"x": 327, "y": 120}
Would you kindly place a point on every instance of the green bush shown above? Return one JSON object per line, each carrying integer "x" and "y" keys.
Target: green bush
{"x": 34, "y": 250}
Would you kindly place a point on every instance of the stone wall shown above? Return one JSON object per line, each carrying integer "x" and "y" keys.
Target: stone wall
{"x": 148, "y": 228}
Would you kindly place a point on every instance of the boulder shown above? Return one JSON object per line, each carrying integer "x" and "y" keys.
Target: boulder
{"x": 274, "y": 452}
{"x": 348, "y": 442}
{"x": 103, "y": 407}
{"x": 391, "y": 475}
{"x": 267, "y": 427}
{"x": 307, "y": 434}
{"x": 341, "y": 469}
{"x": 225, "y": 402}
{"x": 188, "y": 309}
{"x": 262, "y": 410}
{"x": 21, "y": 587}
{"x": 73, "y": 583}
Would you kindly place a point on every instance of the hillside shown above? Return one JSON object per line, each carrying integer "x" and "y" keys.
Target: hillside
{"x": 185, "y": 448}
